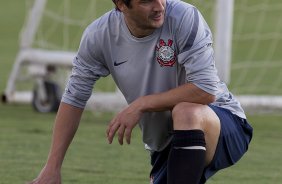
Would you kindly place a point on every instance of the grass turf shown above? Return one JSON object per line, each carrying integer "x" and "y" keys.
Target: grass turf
{"x": 25, "y": 138}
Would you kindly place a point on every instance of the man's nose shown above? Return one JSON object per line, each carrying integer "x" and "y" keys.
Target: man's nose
{"x": 159, "y": 5}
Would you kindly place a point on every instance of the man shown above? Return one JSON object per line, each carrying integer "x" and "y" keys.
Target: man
{"x": 159, "y": 53}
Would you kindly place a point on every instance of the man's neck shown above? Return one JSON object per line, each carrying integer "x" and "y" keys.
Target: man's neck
{"x": 137, "y": 31}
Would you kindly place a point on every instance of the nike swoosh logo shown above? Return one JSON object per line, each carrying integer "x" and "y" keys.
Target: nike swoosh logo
{"x": 117, "y": 64}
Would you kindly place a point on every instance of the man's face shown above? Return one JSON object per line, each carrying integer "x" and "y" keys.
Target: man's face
{"x": 144, "y": 16}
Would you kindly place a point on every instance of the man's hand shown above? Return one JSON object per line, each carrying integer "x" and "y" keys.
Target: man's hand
{"x": 47, "y": 176}
{"x": 123, "y": 123}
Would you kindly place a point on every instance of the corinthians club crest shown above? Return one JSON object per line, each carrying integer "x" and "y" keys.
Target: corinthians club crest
{"x": 165, "y": 54}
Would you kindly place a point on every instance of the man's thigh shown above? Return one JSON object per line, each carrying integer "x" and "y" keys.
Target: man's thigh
{"x": 235, "y": 136}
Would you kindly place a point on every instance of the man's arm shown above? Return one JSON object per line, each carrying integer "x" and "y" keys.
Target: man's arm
{"x": 127, "y": 119}
{"x": 167, "y": 100}
{"x": 65, "y": 127}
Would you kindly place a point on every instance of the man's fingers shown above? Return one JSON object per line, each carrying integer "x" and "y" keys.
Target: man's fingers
{"x": 128, "y": 135}
{"x": 108, "y": 129}
{"x": 111, "y": 131}
{"x": 110, "y": 126}
{"x": 121, "y": 134}
{"x": 122, "y": 128}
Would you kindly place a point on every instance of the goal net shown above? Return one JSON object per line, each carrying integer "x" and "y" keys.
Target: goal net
{"x": 256, "y": 69}
{"x": 247, "y": 36}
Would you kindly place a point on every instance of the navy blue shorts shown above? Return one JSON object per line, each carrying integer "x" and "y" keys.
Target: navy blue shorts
{"x": 235, "y": 136}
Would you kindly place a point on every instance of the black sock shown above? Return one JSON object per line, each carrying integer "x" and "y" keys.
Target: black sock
{"x": 186, "y": 160}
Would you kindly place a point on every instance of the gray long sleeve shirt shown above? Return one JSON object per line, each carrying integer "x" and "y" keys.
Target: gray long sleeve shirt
{"x": 178, "y": 52}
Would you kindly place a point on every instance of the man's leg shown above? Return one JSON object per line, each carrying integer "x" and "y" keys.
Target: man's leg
{"x": 196, "y": 133}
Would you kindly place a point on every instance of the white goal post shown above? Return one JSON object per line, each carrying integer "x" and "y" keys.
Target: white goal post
{"x": 40, "y": 61}
{"x": 223, "y": 50}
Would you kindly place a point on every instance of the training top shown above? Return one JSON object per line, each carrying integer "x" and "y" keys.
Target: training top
{"x": 178, "y": 52}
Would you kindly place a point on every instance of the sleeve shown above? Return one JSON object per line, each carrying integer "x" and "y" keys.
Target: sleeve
{"x": 87, "y": 69}
{"x": 196, "y": 53}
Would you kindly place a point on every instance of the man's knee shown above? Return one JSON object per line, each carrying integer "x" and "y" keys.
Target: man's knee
{"x": 188, "y": 116}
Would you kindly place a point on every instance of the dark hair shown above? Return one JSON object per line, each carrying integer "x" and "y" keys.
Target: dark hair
{"x": 126, "y": 2}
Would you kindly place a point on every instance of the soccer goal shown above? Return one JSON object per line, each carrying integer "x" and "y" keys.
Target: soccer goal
{"x": 247, "y": 35}
{"x": 48, "y": 41}
{"x": 256, "y": 69}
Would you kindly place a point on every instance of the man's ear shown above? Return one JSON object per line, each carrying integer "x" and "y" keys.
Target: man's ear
{"x": 120, "y": 5}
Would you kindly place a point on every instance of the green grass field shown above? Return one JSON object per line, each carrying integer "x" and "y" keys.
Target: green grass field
{"x": 25, "y": 137}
